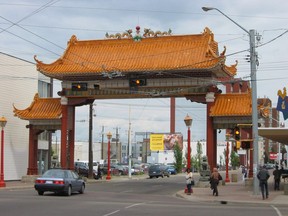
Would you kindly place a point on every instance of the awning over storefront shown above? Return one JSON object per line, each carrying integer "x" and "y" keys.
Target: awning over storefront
{"x": 276, "y": 134}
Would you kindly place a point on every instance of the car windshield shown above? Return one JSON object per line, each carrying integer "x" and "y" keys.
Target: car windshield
{"x": 54, "y": 174}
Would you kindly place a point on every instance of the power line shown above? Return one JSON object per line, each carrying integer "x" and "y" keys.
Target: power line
{"x": 29, "y": 15}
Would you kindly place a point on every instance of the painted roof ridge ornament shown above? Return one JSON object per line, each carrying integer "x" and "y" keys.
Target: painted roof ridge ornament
{"x": 149, "y": 33}
{"x": 137, "y": 37}
{"x": 126, "y": 34}
{"x": 73, "y": 40}
{"x": 223, "y": 52}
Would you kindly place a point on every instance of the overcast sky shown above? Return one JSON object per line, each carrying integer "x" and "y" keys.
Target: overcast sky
{"x": 42, "y": 28}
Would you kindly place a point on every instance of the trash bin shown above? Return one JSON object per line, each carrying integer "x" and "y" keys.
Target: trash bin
{"x": 234, "y": 177}
{"x": 285, "y": 188}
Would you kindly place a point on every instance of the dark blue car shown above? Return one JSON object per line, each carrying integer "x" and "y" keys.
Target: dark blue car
{"x": 172, "y": 170}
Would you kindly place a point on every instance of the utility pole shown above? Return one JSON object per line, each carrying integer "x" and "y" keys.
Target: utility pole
{"x": 253, "y": 70}
{"x": 129, "y": 145}
{"x": 90, "y": 174}
{"x": 102, "y": 143}
{"x": 117, "y": 139}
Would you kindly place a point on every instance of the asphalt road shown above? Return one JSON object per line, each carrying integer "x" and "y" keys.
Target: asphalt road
{"x": 127, "y": 197}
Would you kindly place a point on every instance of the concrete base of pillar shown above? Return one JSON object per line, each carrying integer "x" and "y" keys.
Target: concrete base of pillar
{"x": 203, "y": 184}
{"x": 248, "y": 182}
{"x": 29, "y": 178}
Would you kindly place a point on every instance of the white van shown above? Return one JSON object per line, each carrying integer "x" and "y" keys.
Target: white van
{"x": 95, "y": 164}
{"x": 112, "y": 161}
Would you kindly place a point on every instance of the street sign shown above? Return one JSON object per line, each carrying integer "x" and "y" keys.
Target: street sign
{"x": 273, "y": 156}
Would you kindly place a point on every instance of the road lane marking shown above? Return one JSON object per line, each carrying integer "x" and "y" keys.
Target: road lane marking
{"x": 277, "y": 210}
{"x": 136, "y": 204}
{"x": 111, "y": 213}
{"x": 127, "y": 207}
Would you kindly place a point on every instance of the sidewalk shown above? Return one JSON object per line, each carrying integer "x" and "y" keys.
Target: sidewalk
{"x": 237, "y": 192}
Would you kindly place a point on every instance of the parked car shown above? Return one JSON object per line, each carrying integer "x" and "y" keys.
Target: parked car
{"x": 122, "y": 170}
{"x": 95, "y": 164}
{"x": 59, "y": 181}
{"x": 172, "y": 170}
{"x": 83, "y": 170}
{"x": 158, "y": 171}
{"x": 115, "y": 169}
{"x": 269, "y": 166}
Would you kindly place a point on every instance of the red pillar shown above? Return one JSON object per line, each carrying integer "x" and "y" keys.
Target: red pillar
{"x": 211, "y": 149}
{"x": 2, "y": 182}
{"x": 72, "y": 139}
{"x": 189, "y": 149}
{"x": 227, "y": 161}
{"x": 172, "y": 115}
{"x": 250, "y": 174}
{"x": 64, "y": 134}
{"x": 32, "y": 157}
{"x": 108, "y": 177}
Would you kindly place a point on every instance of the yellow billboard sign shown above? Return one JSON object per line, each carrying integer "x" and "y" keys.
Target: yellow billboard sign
{"x": 156, "y": 142}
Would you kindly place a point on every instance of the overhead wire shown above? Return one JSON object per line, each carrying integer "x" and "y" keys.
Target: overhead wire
{"x": 50, "y": 3}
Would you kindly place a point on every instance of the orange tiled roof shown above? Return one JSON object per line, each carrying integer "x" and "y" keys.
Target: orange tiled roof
{"x": 233, "y": 104}
{"x": 41, "y": 109}
{"x": 180, "y": 52}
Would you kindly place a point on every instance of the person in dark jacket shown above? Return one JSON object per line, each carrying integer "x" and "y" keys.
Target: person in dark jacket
{"x": 277, "y": 177}
{"x": 263, "y": 176}
{"x": 214, "y": 181}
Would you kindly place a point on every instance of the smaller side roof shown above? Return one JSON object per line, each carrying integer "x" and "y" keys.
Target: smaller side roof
{"x": 40, "y": 109}
{"x": 232, "y": 104}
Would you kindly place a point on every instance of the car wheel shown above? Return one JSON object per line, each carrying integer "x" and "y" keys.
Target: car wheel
{"x": 150, "y": 177}
{"x": 69, "y": 191}
{"x": 82, "y": 189}
{"x": 40, "y": 193}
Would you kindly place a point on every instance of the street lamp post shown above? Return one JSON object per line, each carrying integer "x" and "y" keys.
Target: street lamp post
{"x": 253, "y": 58}
{"x": 227, "y": 157}
{"x": 109, "y": 136}
{"x": 188, "y": 122}
{"x": 3, "y": 122}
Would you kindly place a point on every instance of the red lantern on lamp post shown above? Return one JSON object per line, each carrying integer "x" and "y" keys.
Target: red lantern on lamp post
{"x": 188, "y": 122}
{"x": 109, "y": 136}
{"x": 3, "y": 122}
{"x": 227, "y": 157}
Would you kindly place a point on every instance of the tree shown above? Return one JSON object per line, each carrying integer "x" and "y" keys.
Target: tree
{"x": 197, "y": 157}
{"x": 178, "y": 157}
{"x": 235, "y": 160}
{"x": 221, "y": 161}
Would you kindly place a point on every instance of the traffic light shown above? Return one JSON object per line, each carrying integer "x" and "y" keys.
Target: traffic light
{"x": 137, "y": 82}
{"x": 79, "y": 86}
{"x": 237, "y": 136}
{"x": 238, "y": 145}
{"x": 245, "y": 144}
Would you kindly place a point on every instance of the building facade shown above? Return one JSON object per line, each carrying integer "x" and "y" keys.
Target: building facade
{"x": 19, "y": 83}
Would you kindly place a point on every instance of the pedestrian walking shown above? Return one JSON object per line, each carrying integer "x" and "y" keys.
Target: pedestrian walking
{"x": 263, "y": 176}
{"x": 99, "y": 172}
{"x": 244, "y": 173}
{"x": 277, "y": 177}
{"x": 214, "y": 181}
{"x": 189, "y": 179}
